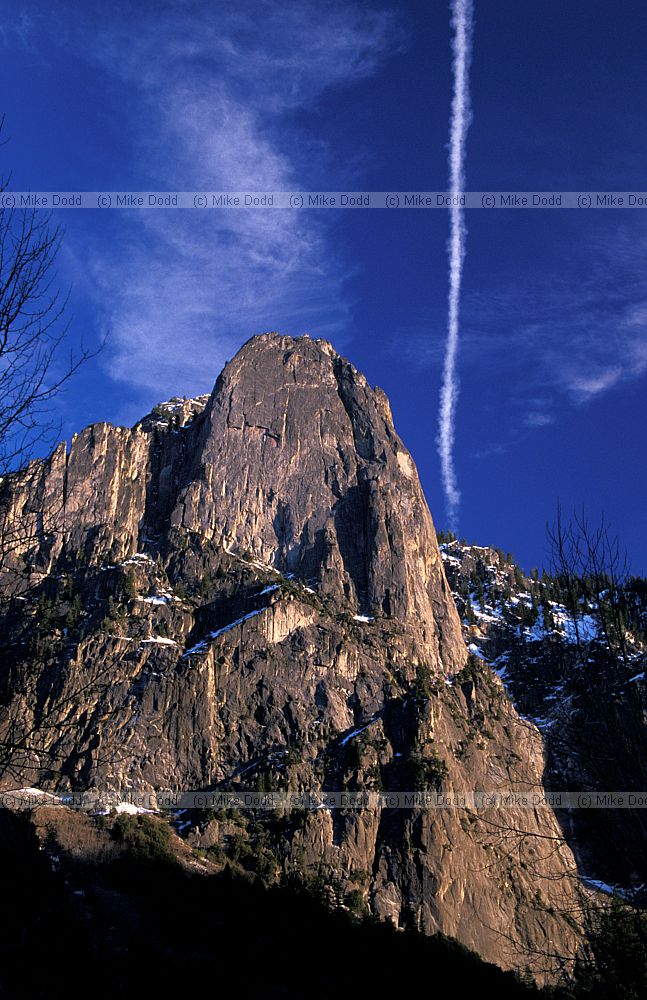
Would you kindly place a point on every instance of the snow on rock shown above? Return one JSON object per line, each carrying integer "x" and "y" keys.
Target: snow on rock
{"x": 582, "y": 629}
{"x": 163, "y": 597}
{"x": 239, "y": 621}
{"x": 454, "y": 560}
{"x": 542, "y": 722}
{"x": 130, "y": 809}
{"x": 609, "y": 890}
{"x": 201, "y": 646}
{"x": 137, "y": 557}
{"x": 585, "y": 628}
{"x": 25, "y": 796}
{"x": 356, "y": 732}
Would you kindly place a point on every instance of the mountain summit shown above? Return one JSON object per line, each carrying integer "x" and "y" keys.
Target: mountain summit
{"x": 293, "y": 462}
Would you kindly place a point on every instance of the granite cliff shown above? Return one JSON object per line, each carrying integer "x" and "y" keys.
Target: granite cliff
{"x": 245, "y": 590}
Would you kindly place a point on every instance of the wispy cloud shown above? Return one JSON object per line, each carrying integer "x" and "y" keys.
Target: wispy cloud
{"x": 566, "y": 336}
{"x": 17, "y": 27}
{"x": 538, "y": 418}
{"x": 211, "y": 91}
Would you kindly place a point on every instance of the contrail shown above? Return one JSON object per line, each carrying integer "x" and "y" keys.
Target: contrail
{"x": 462, "y": 25}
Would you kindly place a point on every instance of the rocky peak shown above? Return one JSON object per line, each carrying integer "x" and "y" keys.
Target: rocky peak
{"x": 299, "y": 465}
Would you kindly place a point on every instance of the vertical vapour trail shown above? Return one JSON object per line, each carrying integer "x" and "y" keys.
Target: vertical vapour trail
{"x": 462, "y": 23}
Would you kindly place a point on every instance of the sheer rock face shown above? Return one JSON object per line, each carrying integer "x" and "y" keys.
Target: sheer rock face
{"x": 298, "y": 463}
{"x": 262, "y": 598}
{"x": 294, "y": 462}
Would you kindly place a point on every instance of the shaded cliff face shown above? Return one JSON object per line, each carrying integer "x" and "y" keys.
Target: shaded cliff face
{"x": 247, "y": 590}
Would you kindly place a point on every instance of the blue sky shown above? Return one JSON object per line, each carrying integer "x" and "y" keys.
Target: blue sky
{"x": 263, "y": 95}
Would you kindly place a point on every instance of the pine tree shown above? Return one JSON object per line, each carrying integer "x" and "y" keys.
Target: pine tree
{"x": 130, "y": 585}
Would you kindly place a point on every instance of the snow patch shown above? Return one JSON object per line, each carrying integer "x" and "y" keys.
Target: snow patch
{"x": 130, "y": 809}
{"x": 356, "y": 732}
{"x": 137, "y": 557}
{"x": 163, "y": 597}
{"x": 29, "y": 796}
{"x": 201, "y": 646}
